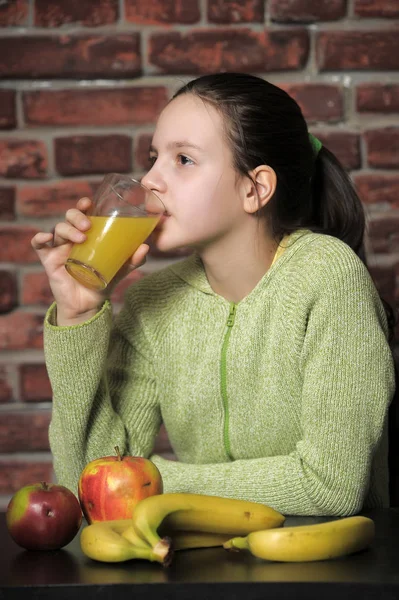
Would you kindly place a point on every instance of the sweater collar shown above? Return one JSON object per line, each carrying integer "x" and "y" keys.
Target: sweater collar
{"x": 191, "y": 270}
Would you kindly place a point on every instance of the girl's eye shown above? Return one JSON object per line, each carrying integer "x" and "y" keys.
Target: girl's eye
{"x": 152, "y": 159}
{"x": 184, "y": 160}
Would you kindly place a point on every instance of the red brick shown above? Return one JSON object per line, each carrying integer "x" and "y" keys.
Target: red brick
{"x": 87, "y": 154}
{"x": 8, "y": 291}
{"x": 384, "y": 278}
{"x": 378, "y": 189}
{"x": 35, "y": 384}
{"x": 229, "y": 49}
{"x": 36, "y": 290}
{"x": 8, "y": 119}
{"x": 384, "y": 233}
{"x": 6, "y": 393}
{"x": 121, "y": 106}
{"x": 25, "y": 159}
{"x": 15, "y": 474}
{"x": 358, "y": 50}
{"x": 307, "y": 11}
{"x": 82, "y": 12}
{"x": 345, "y": 146}
{"x": 377, "y": 97}
{"x": 21, "y": 331}
{"x": 24, "y": 431}
{"x": 318, "y": 102}
{"x": 158, "y": 12}
{"x": 7, "y": 203}
{"x": 14, "y": 12}
{"x": 233, "y": 11}
{"x": 376, "y": 8}
{"x": 141, "y": 155}
{"x": 52, "y": 199}
{"x": 383, "y": 147}
{"x": 60, "y": 57}
{"x": 15, "y": 244}
{"x": 120, "y": 290}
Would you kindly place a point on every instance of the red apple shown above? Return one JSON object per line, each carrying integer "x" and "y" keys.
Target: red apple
{"x": 43, "y": 516}
{"x": 111, "y": 486}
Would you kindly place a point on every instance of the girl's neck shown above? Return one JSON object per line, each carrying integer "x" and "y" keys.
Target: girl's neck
{"x": 234, "y": 269}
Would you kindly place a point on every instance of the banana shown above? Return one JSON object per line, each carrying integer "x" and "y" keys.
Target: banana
{"x": 120, "y": 525}
{"x": 224, "y": 518}
{"x": 187, "y": 540}
{"x": 184, "y": 540}
{"x": 320, "y": 541}
{"x": 101, "y": 542}
{"x": 197, "y": 512}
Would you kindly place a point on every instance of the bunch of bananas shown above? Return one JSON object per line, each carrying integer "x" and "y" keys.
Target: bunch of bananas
{"x": 167, "y": 522}
{"x": 190, "y": 520}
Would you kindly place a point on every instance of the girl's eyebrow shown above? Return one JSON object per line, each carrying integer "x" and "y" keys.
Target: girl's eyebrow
{"x": 182, "y": 144}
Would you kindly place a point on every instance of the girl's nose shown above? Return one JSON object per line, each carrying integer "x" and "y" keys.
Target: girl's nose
{"x": 153, "y": 181}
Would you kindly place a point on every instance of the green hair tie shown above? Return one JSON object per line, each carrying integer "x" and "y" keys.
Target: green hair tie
{"x": 316, "y": 144}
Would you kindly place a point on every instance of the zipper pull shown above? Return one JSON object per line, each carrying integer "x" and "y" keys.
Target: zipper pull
{"x": 232, "y": 314}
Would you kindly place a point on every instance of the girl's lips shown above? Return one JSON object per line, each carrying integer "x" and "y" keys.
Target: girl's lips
{"x": 161, "y": 221}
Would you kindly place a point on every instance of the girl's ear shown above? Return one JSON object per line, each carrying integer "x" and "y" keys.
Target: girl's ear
{"x": 257, "y": 197}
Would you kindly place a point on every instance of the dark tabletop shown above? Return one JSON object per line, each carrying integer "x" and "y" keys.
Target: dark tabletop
{"x": 206, "y": 573}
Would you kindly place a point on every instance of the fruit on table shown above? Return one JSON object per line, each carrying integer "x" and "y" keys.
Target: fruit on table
{"x": 197, "y": 512}
{"x": 43, "y": 516}
{"x": 104, "y": 541}
{"x": 182, "y": 540}
{"x": 320, "y": 541}
{"x": 110, "y": 487}
{"x": 210, "y": 521}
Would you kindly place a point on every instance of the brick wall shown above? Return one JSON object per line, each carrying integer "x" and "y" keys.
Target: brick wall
{"x": 81, "y": 84}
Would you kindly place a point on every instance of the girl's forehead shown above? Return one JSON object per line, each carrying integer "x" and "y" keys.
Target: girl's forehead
{"x": 187, "y": 117}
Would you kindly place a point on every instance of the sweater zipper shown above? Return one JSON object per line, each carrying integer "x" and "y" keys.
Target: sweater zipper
{"x": 223, "y": 378}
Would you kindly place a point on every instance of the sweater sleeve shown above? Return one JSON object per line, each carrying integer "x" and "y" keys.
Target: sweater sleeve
{"x": 104, "y": 391}
{"x": 348, "y": 382}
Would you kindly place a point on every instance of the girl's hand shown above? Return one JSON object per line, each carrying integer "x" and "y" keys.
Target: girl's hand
{"x": 75, "y": 303}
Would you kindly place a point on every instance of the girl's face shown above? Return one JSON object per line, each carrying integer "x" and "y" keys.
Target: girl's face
{"x": 192, "y": 172}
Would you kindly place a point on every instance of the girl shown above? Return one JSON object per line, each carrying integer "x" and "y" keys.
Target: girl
{"x": 265, "y": 353}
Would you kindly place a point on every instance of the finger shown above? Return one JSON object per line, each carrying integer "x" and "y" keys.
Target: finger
{"x": 65, "y": 232}
{"x": 137, "y": 260}
{"x": 139, "y": 257}
{"x": 84, "y": 204}
{"x": 78, "y": 219}
{"x": 41, "y": 239}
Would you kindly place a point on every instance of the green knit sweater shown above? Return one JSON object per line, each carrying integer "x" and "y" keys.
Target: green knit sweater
{"x": 281, "y": 398}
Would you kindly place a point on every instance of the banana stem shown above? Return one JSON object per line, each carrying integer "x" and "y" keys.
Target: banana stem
{"x": 236, "y": 544}
{"x": 163, "y": 551}
{"x": 161, "y": 555}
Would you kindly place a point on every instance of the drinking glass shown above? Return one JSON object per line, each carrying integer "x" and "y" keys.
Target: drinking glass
{"x": 123, "y": 214}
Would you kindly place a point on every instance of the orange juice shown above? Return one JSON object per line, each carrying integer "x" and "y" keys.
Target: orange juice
{"x": 110, "y": 242}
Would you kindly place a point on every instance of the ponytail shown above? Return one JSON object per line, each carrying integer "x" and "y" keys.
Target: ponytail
{"x": 337, "y": 209}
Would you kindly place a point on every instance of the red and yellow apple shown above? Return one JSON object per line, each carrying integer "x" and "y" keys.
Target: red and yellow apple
{"x": 43, "y": 516}
{"x": 111, "y": 486}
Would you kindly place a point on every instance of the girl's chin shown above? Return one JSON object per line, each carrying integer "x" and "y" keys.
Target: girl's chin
{"x": 162, "y": 244}
{"x": 160, "y": 241}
